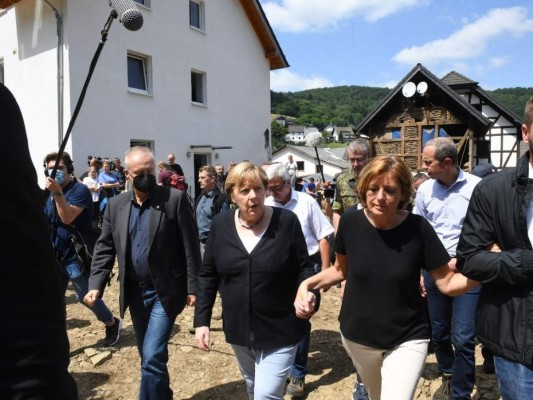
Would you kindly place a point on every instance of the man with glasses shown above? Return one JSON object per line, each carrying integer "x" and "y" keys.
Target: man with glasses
{"x": 316, "y": 229}
{"x": 345, "y": 197}
{"x": 443, "y": 201}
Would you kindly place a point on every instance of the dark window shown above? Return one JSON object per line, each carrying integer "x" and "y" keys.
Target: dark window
{"x": 137, "y": 78}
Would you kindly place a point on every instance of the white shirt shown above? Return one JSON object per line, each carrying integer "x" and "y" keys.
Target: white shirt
{"x": 315, "y": 225}
{"x": 90, "y": 182}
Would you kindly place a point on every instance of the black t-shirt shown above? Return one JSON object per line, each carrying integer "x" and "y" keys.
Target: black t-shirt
{"x": 177, "y": 169}
{"x": 382, "y": 305}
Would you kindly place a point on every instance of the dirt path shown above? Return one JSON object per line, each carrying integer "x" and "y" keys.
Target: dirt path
{"x": 196, "y": 375}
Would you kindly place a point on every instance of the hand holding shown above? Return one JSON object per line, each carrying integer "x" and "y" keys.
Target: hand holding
{"x": 202, "y": 338}
{"x": 91, "y": 297}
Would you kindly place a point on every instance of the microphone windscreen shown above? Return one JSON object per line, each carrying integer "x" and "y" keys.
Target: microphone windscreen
{"x": 313, "y": 139}
{"x": 128, "y": 14}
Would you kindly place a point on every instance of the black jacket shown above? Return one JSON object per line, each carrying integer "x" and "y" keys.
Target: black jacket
{"x": 257, "y": 288}
{"x": 497, "y": 214}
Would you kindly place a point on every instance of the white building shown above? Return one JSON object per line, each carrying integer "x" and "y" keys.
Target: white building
{"x": 194, "y": 80}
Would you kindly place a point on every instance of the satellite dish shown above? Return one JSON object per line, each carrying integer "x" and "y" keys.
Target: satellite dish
{"x": 409, "y": 89}
{"x": 422, "y": 87}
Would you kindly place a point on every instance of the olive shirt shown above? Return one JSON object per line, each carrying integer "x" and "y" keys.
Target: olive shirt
{"x": 345, "y": 196}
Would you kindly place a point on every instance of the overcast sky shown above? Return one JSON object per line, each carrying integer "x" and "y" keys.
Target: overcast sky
{"x": 377, "y": 42}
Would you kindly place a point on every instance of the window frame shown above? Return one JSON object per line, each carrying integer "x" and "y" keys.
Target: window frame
{"x": 144, "y": 3}
{"x": 199, "y": 22}
{"x": 147, "y": 73}
{"x": 198, "y": 76}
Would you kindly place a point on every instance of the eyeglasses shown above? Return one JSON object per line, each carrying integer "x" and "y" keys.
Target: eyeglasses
{"x": 277, "y": 188}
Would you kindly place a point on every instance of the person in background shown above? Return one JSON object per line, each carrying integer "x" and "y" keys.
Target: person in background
{"x": 35, "y": 349}
{"x": 152, "y": 234}
{"x": 70, "y": 204}
{"x": 495, "y": 249}
{"x": 221, "y": 177}
{"x": 91, "y": 181}
{"x": 418, "y": 179}
{"x": 171, "y": 158}
{"x": 358, "y": 152}
{"x": 119, "y": 172}
{"x": 231, "y": 165}
{"x": 257, "y": 256}
{"x": 310, "y": 187}
{"x": 292, "y": 169}
{"x": 384, "y": 246}
{"x": 108, "y": 180}
{"x": 165, "y": 173}
{"x": 443, "y": 201}
{"x": 316, "y": 229}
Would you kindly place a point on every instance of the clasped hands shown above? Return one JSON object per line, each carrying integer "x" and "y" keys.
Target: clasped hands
{"x": 305, "y": 303}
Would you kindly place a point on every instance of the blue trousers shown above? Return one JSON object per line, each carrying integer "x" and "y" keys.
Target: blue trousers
{"x": 80, "y": 282}
{"x": 264, "y": 372}
{"x": 152, "y": 329}
{"x": 453, "y": 335}
{"x": 515, "y": 380}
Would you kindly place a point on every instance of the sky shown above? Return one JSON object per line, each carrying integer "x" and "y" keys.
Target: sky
{"x": 377, "y": 42}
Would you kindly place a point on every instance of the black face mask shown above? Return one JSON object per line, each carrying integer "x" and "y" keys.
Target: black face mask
{"x": 144, "y": 183}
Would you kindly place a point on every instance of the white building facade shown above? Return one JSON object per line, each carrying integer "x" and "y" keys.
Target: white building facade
{"x": 194, "y": 80}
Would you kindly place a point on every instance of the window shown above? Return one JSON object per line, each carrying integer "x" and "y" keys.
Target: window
{"x": 145, "y": 3}
{"x": 139, "y": 71}
{"x": 2, "y": 71}
{"x": 198, "y": 92}
{"x": 196, "y": 14}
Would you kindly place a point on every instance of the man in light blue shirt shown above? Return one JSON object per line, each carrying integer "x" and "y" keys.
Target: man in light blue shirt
{"x": 443, "y": 201}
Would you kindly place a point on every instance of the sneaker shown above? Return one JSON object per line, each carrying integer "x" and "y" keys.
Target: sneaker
{"x": 296, "y": 387}
{"x": 112, "y": 333}
{"x": 359, "y": 392}
{"x": 445, "y": 390}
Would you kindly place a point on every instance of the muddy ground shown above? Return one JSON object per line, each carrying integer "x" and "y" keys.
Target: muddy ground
{"x": 114, "y": 373}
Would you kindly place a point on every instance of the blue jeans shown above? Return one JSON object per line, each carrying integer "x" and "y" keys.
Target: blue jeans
{"x": 515, "y": 380}
{"x": 80, "y": 282}
{"x": 453, "y": 335}
{"x": 299, "y": 368}
{"x": 152, "y": 329}
{"x": 265, "y": 372}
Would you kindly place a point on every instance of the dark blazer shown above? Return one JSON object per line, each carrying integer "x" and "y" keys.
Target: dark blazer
{"x": 257, "y": 288}
{"x": 174, "y": 252}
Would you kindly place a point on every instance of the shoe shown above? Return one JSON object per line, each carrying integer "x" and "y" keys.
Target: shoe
{"x": 296, "y": 387}
{"x": 112, "y": 333}
{"x": 359, "y": 392}
{"x": 445, "y": 390}
{"x": 192, "y": 330}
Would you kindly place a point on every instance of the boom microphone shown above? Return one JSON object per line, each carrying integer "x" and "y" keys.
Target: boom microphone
{"x": 128, "y": 15}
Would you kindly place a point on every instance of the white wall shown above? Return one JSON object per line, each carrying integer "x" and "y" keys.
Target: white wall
{"x": 238, "y": 81}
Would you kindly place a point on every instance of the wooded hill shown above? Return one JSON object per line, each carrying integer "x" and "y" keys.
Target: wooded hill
{"x": 348, "y": 105}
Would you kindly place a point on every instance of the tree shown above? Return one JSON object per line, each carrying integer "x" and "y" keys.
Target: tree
{"x": 278, "y": 135}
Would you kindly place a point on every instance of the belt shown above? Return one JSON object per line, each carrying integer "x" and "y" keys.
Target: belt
{"x": 143, "y": 284}
{"x": 203, "y": 241}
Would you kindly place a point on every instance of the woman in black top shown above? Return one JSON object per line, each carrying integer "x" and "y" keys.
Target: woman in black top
{"x": 256, "y": 256}
{"x": 380, "y": 251}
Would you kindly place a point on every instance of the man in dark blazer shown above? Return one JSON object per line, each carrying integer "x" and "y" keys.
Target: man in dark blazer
{"x": 34, "y": 345}
{"x": 152, "y": 232}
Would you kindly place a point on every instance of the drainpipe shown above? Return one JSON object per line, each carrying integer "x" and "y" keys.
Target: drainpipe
{"x": 59, "y": 23}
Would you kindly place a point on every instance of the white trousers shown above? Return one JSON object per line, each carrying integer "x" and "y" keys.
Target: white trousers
{"x": 389, "y": 374}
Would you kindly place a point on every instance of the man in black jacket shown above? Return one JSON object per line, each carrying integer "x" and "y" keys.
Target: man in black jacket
{"x": 495, "y": 249}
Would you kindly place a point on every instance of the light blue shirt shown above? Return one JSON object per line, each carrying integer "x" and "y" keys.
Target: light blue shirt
{"x": 445, "y": 207}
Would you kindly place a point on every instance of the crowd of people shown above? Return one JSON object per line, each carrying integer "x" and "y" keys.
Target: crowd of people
{"x": 438, "y": 259}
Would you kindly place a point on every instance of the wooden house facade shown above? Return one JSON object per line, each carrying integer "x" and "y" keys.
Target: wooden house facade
{"x": 422, "y": 107}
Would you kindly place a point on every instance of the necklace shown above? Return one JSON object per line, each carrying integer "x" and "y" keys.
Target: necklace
{"x": 252, "y": 225}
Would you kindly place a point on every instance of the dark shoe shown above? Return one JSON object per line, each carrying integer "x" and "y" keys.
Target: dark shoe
{"x": 359, "y": 392}
{"x": 112, "y": 333}
{"x": 192, "y": 330}
{"x": 445, "y": 390}
{"x": 296, "y": 387}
